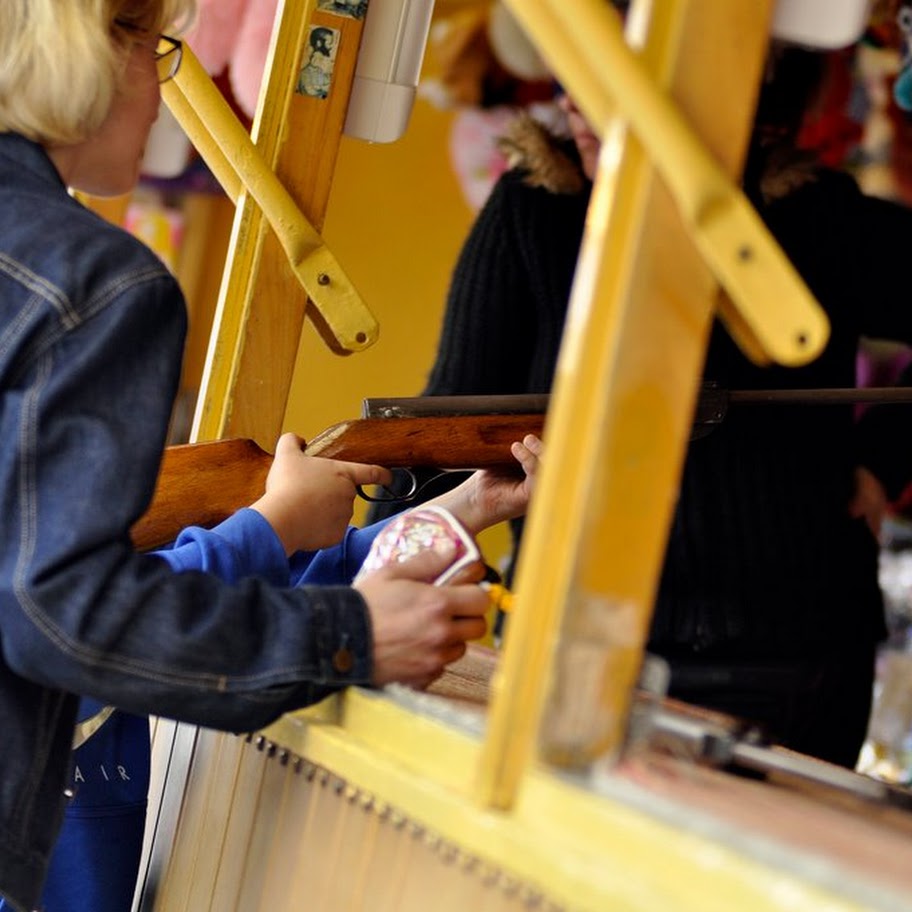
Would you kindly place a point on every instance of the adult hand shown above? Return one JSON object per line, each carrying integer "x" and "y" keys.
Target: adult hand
{"x": 309, "y": 500}
{"x": 490, "y": 496}
{"x": 419, "y": 628}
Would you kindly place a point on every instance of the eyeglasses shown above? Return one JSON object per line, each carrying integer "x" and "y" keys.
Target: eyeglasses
{"x": 168, "y": 54}
{"x": 168, "y": 57}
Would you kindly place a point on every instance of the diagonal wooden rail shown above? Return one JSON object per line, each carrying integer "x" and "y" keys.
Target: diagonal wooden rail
{"x": 641, "y": 307}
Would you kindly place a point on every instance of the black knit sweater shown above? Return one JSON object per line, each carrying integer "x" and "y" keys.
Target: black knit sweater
{"x": 763, "y": 560}
{"x": 508, "y": 295}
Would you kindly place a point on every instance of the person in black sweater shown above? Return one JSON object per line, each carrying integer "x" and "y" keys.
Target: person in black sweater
{"x": 509, "y": 289}
{"x": 768, "y": 606}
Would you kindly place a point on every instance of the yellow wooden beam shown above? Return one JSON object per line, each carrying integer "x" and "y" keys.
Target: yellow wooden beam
{"x": 621, "y": 410}
{"x": 582, "y": 850}
{"x": 774, "y": 315}
{"x": 361, "y": 803}
{"x": 227, "y": 148}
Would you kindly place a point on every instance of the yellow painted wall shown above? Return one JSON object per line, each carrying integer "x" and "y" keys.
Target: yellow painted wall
{"x": 396, "y": 221}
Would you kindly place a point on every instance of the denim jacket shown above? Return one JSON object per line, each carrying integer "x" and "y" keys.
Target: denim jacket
{"x": 91, "y": 337}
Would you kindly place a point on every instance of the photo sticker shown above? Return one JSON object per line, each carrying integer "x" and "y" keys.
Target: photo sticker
{"x": 354, "y": 9}
{"x": 315, "y": 75}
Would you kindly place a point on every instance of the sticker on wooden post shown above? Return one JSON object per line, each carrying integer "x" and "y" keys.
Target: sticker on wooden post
{"x": 353, "y": 9}
{"x": 319, "y": 61}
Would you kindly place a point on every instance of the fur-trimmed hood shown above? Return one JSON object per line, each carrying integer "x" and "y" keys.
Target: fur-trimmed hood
{"x": 549, "y": 161}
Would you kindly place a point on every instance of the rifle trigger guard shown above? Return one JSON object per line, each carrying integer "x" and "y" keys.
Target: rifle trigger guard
{"x": 390, "y": 496}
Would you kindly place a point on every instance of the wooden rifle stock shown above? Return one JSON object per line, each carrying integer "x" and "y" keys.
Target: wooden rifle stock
{"x": 201, "y": 484}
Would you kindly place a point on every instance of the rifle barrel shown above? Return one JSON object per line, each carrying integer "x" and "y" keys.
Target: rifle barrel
{"x": 454, "y": 406}
{"x": 712, "y": 397}
{"x": 882, "y": 395}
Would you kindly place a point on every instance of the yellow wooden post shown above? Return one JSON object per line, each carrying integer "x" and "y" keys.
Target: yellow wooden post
{"x": 261, "y": 307}
{"x": 624, "y": 394}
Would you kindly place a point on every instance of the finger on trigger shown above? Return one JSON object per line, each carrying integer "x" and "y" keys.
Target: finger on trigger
{"x": 366, "y": 474}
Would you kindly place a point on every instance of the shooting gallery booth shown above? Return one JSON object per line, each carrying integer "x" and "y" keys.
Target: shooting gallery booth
{"x": 547, "y": 769}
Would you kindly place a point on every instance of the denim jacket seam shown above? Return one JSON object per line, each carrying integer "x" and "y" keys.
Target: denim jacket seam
{"x": 27, "y": 795}
{"x": 11, "y": 335}
{"x": 216, "y": 683}
{"x": 60, "y": 301}
{"x": 96, "y": 305}
{"x": 125, "y": 282}
{"x": 30, "y": 794}
{"x": 42, "y": 287}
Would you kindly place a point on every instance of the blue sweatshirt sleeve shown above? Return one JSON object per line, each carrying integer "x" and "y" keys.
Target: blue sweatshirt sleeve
{"x": 244, "y": 545}
{"x": 334, "y": 566}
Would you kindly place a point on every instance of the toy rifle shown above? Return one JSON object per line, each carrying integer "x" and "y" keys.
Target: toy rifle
{"x": 204, "y": 483}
